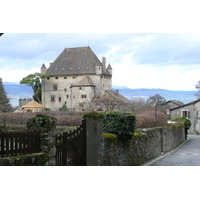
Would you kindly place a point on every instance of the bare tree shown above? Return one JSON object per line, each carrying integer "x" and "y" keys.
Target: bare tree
{"x": 109, "y": 103}
{"x": 156, "y": 101}
{"x": 139, "y": 105}
{"x": 197, "y": 86}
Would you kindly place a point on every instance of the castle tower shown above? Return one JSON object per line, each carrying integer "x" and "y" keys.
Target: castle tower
{"x": 43, "y": 69}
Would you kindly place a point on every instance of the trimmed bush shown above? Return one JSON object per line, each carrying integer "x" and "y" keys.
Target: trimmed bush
{"x": 147, "y": 119}
{"x": 42, "y": 123}
{"x": 119, "y": 123}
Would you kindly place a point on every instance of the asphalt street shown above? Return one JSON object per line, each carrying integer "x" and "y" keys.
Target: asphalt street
{"x": 186, "y": 155}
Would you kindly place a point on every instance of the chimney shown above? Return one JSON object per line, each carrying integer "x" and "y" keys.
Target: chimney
{"x": 104, "y": 64}
{"x": 117, "y": 92}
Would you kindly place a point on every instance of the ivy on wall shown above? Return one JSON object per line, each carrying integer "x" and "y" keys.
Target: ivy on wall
{"x": 120, "y": 123}
{"x": 42, "y": 123}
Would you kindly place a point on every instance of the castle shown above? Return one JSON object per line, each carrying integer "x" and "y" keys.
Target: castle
{"x": 77, "y": 79}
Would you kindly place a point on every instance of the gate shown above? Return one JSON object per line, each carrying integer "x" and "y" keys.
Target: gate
{"x": 71, "y": 147}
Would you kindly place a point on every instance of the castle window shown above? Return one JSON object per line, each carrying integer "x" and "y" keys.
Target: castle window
{"x": 83, "y": 96}
{"x": 67, "y": 96}
{"x": 65, "y": 89}
{"x": 65, "y": 77}
{"x": 56, "y": 77}
{"x": 81, "y": 105}
{"x": 74, "y": 77}
{"x": 65, "y": 103}
{"x": 55, "y": 87}
{"x": 52, "y": 98}
{"x": 48, "y": 78}
{"x": 59, "y": 99}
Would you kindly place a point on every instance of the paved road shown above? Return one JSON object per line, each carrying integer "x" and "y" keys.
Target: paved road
{"x": 187, "y": 155}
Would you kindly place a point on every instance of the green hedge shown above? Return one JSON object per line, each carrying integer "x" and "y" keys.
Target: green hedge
{"x": 120, "y": 123}
{"x": 184, "y": 120}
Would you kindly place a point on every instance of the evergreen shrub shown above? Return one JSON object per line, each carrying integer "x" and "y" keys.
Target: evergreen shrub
{"x": 42, "y": 123}
{"x": 184, "y": 120}
{"x": 120, "y": 123}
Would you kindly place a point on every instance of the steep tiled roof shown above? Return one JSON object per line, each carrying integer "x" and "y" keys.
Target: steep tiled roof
{"x": 112, "y": 95}
{"x": 85, "y": 81}
{"x": 178, "y": 103}
{"x": 109, "y": 67}
{"x": 191, "y": 103}
{"x": 33, "y": 104}
{"x": 117, "y": 96}
{"x": 43, "y": 66}
{"x": 71, "y": 61}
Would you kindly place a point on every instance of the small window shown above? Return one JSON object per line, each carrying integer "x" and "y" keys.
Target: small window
{"x": 81, "y": 105}
{"x": 73, "y": 96}
{"x": 73, "y": 77}
{"x": 83, "y": 96}
{"x": 59, "y": 99}
{"x": 65, "y": 77}
{"x": 55, "y": 87}
{"x": 65, "y": 103}
{"x": 48, "y": 78}
{"x": 185, "y": 113}
{"x": 65, "y": 89}
{"x": 52, "y": 98}
{"x": 56, "y": 77}
{"x": 67, "y": 96}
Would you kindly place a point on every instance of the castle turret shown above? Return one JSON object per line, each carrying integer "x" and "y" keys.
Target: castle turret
{"x": 109, "y": 69}
{"x": 43, "y": 69}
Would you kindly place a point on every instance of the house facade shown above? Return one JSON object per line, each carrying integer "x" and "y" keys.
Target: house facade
{"x": 191, "y": 111}
{"x": 75, "y": 78}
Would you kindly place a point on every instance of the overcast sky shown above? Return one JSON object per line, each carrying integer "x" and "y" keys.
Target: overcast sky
{"x": 168, "y": 61}
{"x": 149, "y": 44}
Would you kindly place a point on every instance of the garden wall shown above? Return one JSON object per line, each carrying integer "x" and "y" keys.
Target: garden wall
{"x": 143, "y": 147}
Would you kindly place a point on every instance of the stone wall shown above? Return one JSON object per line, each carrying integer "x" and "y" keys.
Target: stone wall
{"x": 36, "y": 159}
{"x": 143, "y": 147}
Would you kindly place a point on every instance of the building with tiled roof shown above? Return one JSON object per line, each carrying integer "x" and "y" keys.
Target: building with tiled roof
{"x": 32, "y": 106}
{"x": 75, "y": 78}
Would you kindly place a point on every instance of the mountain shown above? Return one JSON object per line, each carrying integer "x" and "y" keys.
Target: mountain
{"x": 184, "y": 96}
{"x": 120, "y": 87}
{"x": 16, "y": 91}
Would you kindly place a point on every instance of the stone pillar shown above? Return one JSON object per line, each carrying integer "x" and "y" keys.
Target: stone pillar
{"x": 47, "y": 144}
{"x": 93, "y": 140}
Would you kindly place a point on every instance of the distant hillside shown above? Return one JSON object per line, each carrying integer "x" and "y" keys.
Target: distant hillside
{"x": 185, "y": 96}
{"x": 16, "y": 91}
